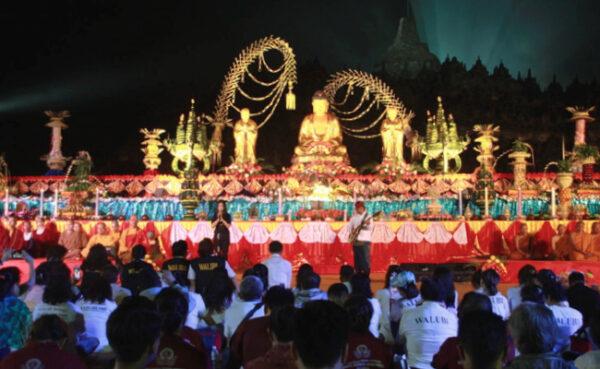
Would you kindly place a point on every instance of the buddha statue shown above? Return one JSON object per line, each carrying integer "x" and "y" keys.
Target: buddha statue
{"x": 393, "y": 130}
{"x": 320, "y": 135}
{"x": 245, "y": 132}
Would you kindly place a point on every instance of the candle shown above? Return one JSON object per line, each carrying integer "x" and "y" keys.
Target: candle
{"x": 290, "y": 215}
{"x": 460, "y": 204}
{"x": 280, "y": 204}
{"x": 487, "y": 207}
{"x": 345, "y": 215}
{"x": 97, "y": 210}
{"x": 41, "y": 203}
{"x": 553, "y": 202}
{"x": 563, "y": 147}
{"x": 56, "y": 203}
{"x": 520, "y": 203}
{"x": 6, "y": 202}
{"x": 354, "y": 197}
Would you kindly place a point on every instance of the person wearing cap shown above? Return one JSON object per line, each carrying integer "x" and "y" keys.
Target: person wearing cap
{"x": 362, "y": 245}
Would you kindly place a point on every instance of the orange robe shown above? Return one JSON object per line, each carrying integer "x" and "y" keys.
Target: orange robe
{"x": 562, "y": 247}
{"x": 524, "y": 246}
{"x": 106, "y": 240}
{"x": 129, "y": 238}
{"x": 596, "y": 246}
{"x": 582, "y": 245}
{"x": 74, "y": 242}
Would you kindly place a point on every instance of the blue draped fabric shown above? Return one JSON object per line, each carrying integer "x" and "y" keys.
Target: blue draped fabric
{"x": 158, "y": 209}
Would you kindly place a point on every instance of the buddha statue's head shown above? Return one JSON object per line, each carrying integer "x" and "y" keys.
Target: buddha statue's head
{"x": 245, "y": 114}
{"x": 320, "y": 103}
{"x": 392, "y": 112}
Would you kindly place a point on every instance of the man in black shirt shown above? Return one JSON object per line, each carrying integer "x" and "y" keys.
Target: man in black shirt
{"x": 201, "y": 268}
{"x": 178, "y": 265}
{"x": 582, "y": 298}
{"x": 131, "y": 273}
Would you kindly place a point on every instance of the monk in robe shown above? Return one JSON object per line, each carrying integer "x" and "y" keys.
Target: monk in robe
{"x": 73, "y": 239}
{"x": 154, "y": 246}
{"x": 524, "y": 244}
{"x": 130, "y": 237}
{"x": 561, "y": 244}
{"x": 46, "y": 235}
{"x": 595, "y": 236}
{"x": 581, "y": 244}
{"x": 105, "y": 238}
{"x": 28, "y": 239}
{"x": 11, "y": 238}
{"x": 115, "y": 228}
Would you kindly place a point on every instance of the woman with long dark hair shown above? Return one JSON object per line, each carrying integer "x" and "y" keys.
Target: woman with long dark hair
{"x": 361, "y": 286}
{"x": 444, "y": 276}
{"x": 489, "y": 280}
{"x": 221, "y": 222}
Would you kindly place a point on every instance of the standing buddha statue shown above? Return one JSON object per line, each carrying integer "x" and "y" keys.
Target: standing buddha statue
{"x": 393, "y": 130}
{"x": 245, "y": 133}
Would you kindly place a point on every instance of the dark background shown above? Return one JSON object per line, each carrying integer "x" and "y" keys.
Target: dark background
{"x": 119, "y": 66}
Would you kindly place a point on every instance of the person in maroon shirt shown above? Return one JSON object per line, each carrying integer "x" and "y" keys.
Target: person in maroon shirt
{"x": 280, "y": 355}
{"x": 48, "y": 336}
{"x": 363, "y": 350}
{"x": 251, "y": 339}
{"x": 174, "y": 351}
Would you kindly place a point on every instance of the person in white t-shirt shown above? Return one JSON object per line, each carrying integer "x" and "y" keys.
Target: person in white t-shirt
{"x": 96, "y": 306}
{"x": 489, "y": 280}
{"x": 424, "y": 328}
{"x": 248, "y": 305}
{"x": 568, "y": 319}
{"x": 526, "y": 276}
{"x": 280, "y": 270}
{"x": 361, "y": 286}
{"x": 111, "y": 274}
{"x": 362, "y": 223}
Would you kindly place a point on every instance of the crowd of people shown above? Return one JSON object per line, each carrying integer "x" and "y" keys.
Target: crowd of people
{"x": 193, "y": 313}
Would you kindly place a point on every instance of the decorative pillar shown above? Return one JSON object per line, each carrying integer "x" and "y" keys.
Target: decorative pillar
{"x": 581, "y": 116}
{"x": 54, "y": 159}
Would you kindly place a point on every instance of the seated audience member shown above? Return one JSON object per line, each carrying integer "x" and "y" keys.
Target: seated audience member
{"x": 527, "y": 275}
{"x": 385, "y": 296}
{"x": 15, "y": 317}
{"x": 201, "y": 267}
{"x": 425, "y": 327}
{"x": 131, "y": 273}
{"x": 533, "y": 330}
{"x": 346, "y": 274}
{"x": 149, "y": 284}
{"x": 111, "y": 274}
{"x": 23, "y": 288}
{"x": 133, "y": 332}
{"x": 532, "y": 293}
{"x": 443, "y": 275}
{"x": 261, "y": 271}
{"x": 406, "y": 285}
{"x": 361, "y": 286}
{"x": 363, "y": 349}
{"x": 545, "y": 275}
{"x": 251, "y": 339}
{"x": 280, "y": 354}
{"x": 309, "y": 289}
{"x": 582, "y": 298}
{"x": 178, "y": 265}
{"x": 320, "y": 335}
{"x": 218, "y": 297}
{"x": 482, "y": 340}
{"x": 448, "y": 357}
{"x": 304, "y": 268}
{"x": 96, "y": 306}
{"x": 591, "y": 359}
{"x": 44, "y": 351}
{"x": 476, "y": 279}
{"x": 174, "y": 351}
{"x": 248, "y": 306}
{"x": 97, "y": 258}
{"x": 568, "y": 319}
{"x": 490, "y": 279}
{"x": 337, "y": 293}
{"x": 280, "y": 270}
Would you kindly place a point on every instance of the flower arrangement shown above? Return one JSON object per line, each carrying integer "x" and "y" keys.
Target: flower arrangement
{"x": 243, "y": 169}
{"x": 314, "y": 170}
{"x": 391, "y": 170}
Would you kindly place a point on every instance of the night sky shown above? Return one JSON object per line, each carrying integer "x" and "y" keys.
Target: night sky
{"x": 122, "y": 65}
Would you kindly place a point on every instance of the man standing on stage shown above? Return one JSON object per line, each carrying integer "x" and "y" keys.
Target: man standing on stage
{"x": 361, "y": 224}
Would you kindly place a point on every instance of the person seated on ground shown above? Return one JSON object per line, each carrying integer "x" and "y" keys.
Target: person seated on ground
{"x": 131, "y": 273}
{"x": 561, "y": 244}
{"x": 445, "y": 277}
{"x": 178, "y": 265}
{"x": 96, "y": 306}
{"x": 406, "y": 285}
{"x": 54, "y": 256}
{"x": 532, "y": 294}
{"x": 247, "y": 306}
{"x": 363, "y": 348}
{"x": 591, "y": 359}
{"x": 58, "y": 300}
{"x": 104, "y": 238}
{"x": 48, "y": 336}
{"x": 304, "y": 268}
{"x": 524, "y": 244}
{"x": 133, "y": 332}
{"x": 251, "y": 339}
{"x": 546, "y": 275}
{"x": 337, "y": 293}
{"x": 361, "y": 286}
{"x": 490, "y": 279}
{"x": 218, "y": 297}
{"x": 346, "y": 274}
{"x": 567, "y": 319}
{"x": 280, "y": 270}
{"x": 476, "y": 279}
{"x": 111, "y": 274}
{"x": 309, "y": 289}
{"x": 174, "y": 351}
{"x": 280, "y": 330}
{"x": 261, "y": 271}
{"x": 424, "y": 328}
{"x": 149, "y": 284}
{"x": 42, "y": 273}
{"x": 201, "y": 267}
{"x": 320, "y": 334}
{"x": 15, "y": 317}
{"x": 196, "y": 306}
{"x": 533, "y": 330}
{"x": 385, "y": 296}
{"x": 97, "y": 258}
{"x": 527, "y": 275}
{"x": 582, "y": 298}
{"x": 581, "y": 244}
{"x": 73, "y": 239}
{"x": 482, "y": 340}
{"x": 448, "y": 356}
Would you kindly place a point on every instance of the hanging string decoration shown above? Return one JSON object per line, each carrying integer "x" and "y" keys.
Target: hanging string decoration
{"x": 241, "y": 79}
{"x": 375, "y": 97}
